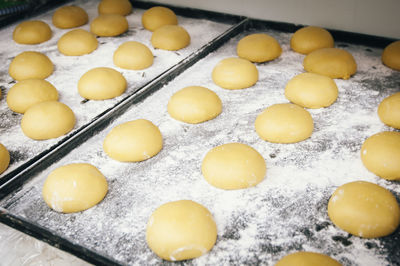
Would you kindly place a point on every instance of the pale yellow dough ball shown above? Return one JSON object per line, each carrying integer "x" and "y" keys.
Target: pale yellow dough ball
{"x": 29, "y": 92}
{"x": 380, "y": 154}
{"x": 74, "y": 188}
{"x": 311, "y": 38}
{"x": 391, "y": 55}
{"x": 30, "y": 65}
{"x": 259, "y": 47}
{"x": 158, "y": 16}
{"x": 303, "y": 258}
{"x": 364, "y": 209}
{"x": 133, "y": 55}
{"x": 32, "y": 32}
{"x": 120, "y": 7}
{"x": 47, "y": 120}
{"x": 170, "y": 37}
{"x": 389, "y": 110}
{"x": 133, "y": 141}
{"x": 4, "y": 158}
{"x": 235, "y": 73}
{"x": 311, "y": 90}
{"x": 181, "y": 230}
{"x": 67, "y": 17}
{"x": 109, "y": 25}
{"x": 77, "y": 42}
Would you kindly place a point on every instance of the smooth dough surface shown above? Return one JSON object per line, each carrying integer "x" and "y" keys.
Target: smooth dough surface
{"x": 364, "y": 209}
{"x": 31, "y": 32}
{"x": 4, "y": 158}
{"x": 284, "y": 123}
{"x": 233, "y": 166}
{"x": 181, "y": 230}
{"x": 109, "y": 25}
{"x": 133, "y": 55}
{"x": 47, "y": 120}
{"x": 391, "y": 55}
{"x": 28, "y": 92}
{"x": 235, "y": 73}
{"x": 120, "y": 7}
{"x": 331, "y": 62}
{"x": 194, "y": 105}
{"x": 311, "y": 90}
{"x": 30, "y": 65}
{"x": 304, "y": 258}
{"x": 133, "y": 141}
{"x": 311, "y": 38}
{"x": 380, "y": 154}
{"x": 101, "y": 83}
{"x": 77, "y": 42}
{"x": 157, "y": 17}
{"x": 259, "y": 47}
{"x": 74, "y": 188}
{"x": 389, "y": 110}
{"x": 170, "y": 37}
{"x": 67, "y": 17}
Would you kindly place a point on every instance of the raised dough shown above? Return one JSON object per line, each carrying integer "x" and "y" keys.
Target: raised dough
{"x": 67, "y": 17}
{"x": 364, "y": 209}
{"x": 194, "y": 105}
{"x": 32, "y": 32}
{"x": 133, "y": 55}
{"x": 380, "y": 154}
{"x": 311, "y": 38}
{"x": 74, "y": 188}
{"x": 389, "y": 110}
{"x": 121, "y": 7}
{"x": 158, "y": 16}
{"x": 303, "y": 258}
{"x": 28, "y": 92}
{"x": 30, "y": 65}
{"x": 133, "y": 141}
{"x": 170, "y": 37}
{"x": 4, "y": 158}
{"x": 311, "y": 90}
{"x": 77, "y": 42}
{"x": 233, "y": 166}
{"x": 259, "y": 47}
{"x": 235, "y": 73}
{"x": 181, "y": 230}
{"x": 391, "y": 55}
{"x": 109, "y": 25}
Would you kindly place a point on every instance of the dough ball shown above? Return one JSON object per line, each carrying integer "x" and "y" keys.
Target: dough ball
{"x": 101, "y": 83}
{"x": 29, "y": 92}
{"x": 331, "y": 62}
{"x": 233, "y": 166}
{"x": 284, "y": 123}
{"x": 258, "y": 48}
{"x": 170, "y": 37}
{"x": 389, "y": 110}
{"x": 311, "y": 90}
{"x": 31, "y": 32}
{"x": 364, "y": 209}
{"x": 4, "y": 158}
{"x": 120, "y": 7}
{"x": 311, "y": 38}
{"x": 181, "y": 230}
{"x": 133, "y": 55}
{"x": 47, "y": 120}
{"x": 74, "y": 188}
{"x": 30, "y": 65}
{"x": 380, "y": 154}
{"x": 77, "y": 42}
{"x": 133, "y": 141}
{"x": 235, "y": 73}
{"x": 157, "y": 17}
{"x": 391, "y": 55}
{"x": 67, "y": 17}
{"x": 109, "y": 25}
{"x": 304, "y": 258}
{"x": 194, "y": 105}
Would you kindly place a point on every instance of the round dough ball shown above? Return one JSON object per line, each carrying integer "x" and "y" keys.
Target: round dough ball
{"x": 29, "y": 92}
{"x": 32, "y": 32}
{"x": 194, "y": 105}
{"x": 181, "y": 230}
{"x": 284, "y": 123}
{"x": 77, "y": 42}
{"x": 235, "y": 73}
{"x": 74, "y": 188}
{"x": 157, "y": 17}
{"x": 233, "y": 166}
{"x": 303, "y": 258}
{"x": 67, "y": 17}
{"x": 133, "y": 141}
{"x": 4, "y": 158}
{"x": 120, "y": 7}
{"x": 109, "y": 25}
{"x": 331, "y": 62}
{"x": 380, "y": 154}
{"x": 133, "y": 55}
{"x": 389, "y": 110}
{"x": 311, "y": 38}
{"x": 101, "y": 83}
{"x": 391, "y": 55}
{"x": 170, "y": 37}
{"x": 30, "y": 65}
{"x": 47, "y": 120}
{"x": 364, "y": 209}
{"x": 311, "y": 90}
{"x": 259, "y": 47}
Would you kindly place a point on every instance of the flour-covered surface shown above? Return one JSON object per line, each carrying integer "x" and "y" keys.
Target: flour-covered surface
{"x": 286, "y": 212}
